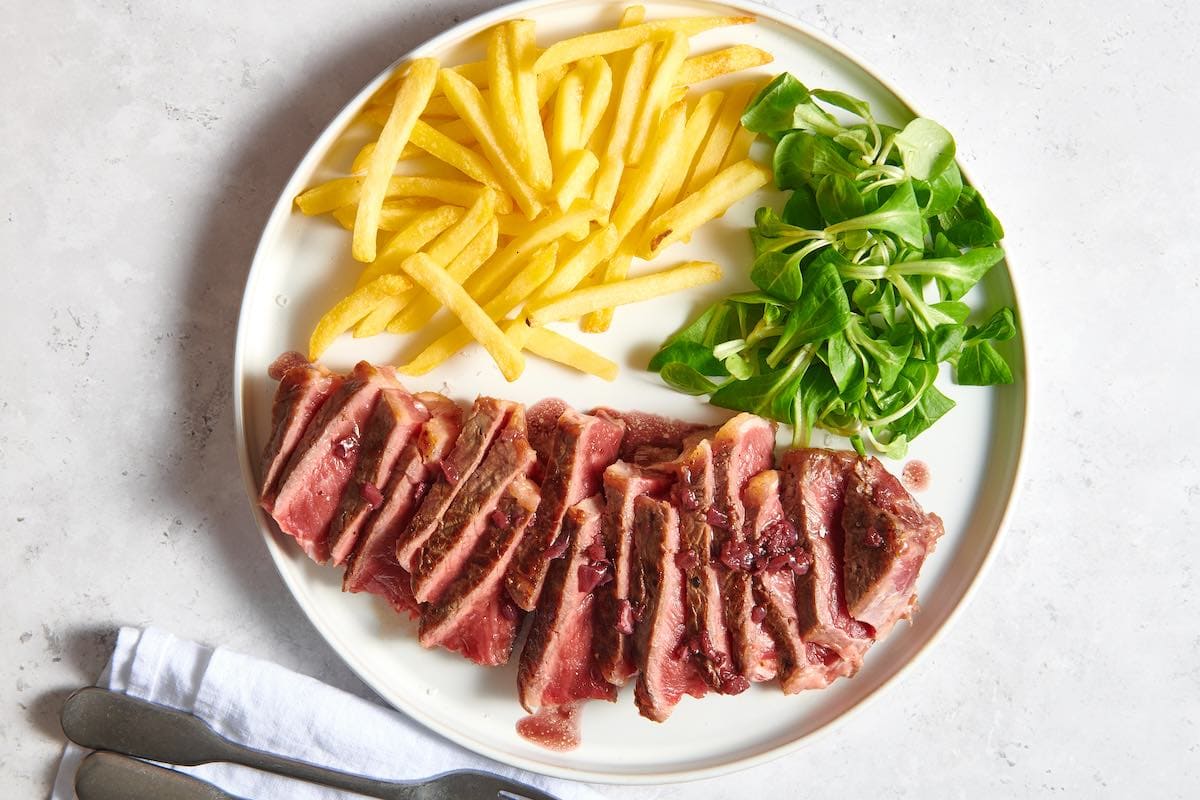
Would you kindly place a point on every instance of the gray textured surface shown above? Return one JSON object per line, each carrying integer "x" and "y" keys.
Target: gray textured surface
{"x": 144, "y": 143}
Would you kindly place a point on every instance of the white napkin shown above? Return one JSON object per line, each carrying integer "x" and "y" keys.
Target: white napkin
{"x": 265, "y": 706}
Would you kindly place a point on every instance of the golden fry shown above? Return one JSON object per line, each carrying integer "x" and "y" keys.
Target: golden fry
{"x": 597, "y": 79}
{"x": 604, "y": 42}
{"x": 421, "y": 309}
{"x": 648, "y": 182}
{"x": 487, "y": 281}
{"x": 325, "y": 197}
{"x": 410, "y": 99}
{"x": 462, "y": 158}
{"x": 418, "y": 233}
{"x": 502, "y": 95}
{"x": 469, "y": 104}
{"x": 739, "y": 148}
{"x": 566, "y": 135}
{"x": 534, "y": 151}
{"x": 594, "y": 250}
{"x": 694, "y": 133}
{"x": 612, "y": 164}
{"x": 729, "y": 119}
{"x": 662, "y": 76}
{"x": 631, "y": 290}
{"x": 424, "y": 271}
{"x": 556, "y": 347}
{"x": 573, "y": 176}
{"x": 710, "y": 201}
{"x": 721, "y": 62}
{"x": 351, "y": 309}
{"x": 615, "y": 269}
{"x": 533, "y": 275}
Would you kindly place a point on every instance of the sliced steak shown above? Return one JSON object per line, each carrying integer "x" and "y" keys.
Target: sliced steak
{"x": 620, "y": 601}
{"x": 542, "y": 420}
{"x": 487, "y": 416}
{"x": 397, "y": 416}
{"x": 475, "y": 616}
{"x": 888, "y": 536}
{"x": 444, "y": 554}
{"x": 708, "y": 636}
{"x": 303, "y": 387}
{"x": 556, "y": 663}
{"x": 584, "y": 446}
{"x": 773, "y": 538}
{"x": 373, "y": 567}
{"x": 813, "y": 493}
{"x": 322, "y": 464}
{"x": 742, "y": 448}
{"x": 665, "y": 673}
{"x": 651, "y": 433}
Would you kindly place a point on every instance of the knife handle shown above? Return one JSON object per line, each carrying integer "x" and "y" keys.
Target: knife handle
{"x": 108, "y": 776}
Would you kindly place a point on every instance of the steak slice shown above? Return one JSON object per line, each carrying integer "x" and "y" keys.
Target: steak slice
{"x": 303, "y": 387}
{"x": 619, "y": 601}
{"x": 311, "y": 486}
{"x": 474, "y": 615}
{"x": 542, "y": 422}
{"x": 444, "y": 554}
{"x": 771, "y": 536}
{"x": 742, "y": 448}
{"x": 396, "y": 417}
{"x": 556, "y": 667}
{"x": 650, "y": 433}
{"x": 487, "y": 416}
{"x": 584, "y": 446}
{"x": 813, "y": 494}
{"x": 888, "y": 536}
{"x": 708, "y": 636}
{"x": 372, "y": 567}
{"x": 665, "y": 673}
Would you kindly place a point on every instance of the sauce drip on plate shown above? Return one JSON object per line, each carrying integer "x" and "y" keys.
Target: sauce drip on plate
{"x": 916, "y": 475}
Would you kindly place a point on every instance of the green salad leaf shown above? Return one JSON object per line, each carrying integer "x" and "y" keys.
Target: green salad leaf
{"x": 860, "y": 280}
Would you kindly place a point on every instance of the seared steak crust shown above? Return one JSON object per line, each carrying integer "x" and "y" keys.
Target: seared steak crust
{"x": 303, "y": 388}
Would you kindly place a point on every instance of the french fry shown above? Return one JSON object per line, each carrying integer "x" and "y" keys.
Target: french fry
{"x": 395, "y": 215}
{"x": 566, "y": 135}
{"x": 615, "y": 269}
{"x": 351, "y": 309}
{"x": 646, "y": 185}
{"x": 666, "y": 65}
{"x": 420, "y": 310}
{"x": 729, "y": 119}
{"x": 469, "y": 104}
{"x": 418, "y": 233}
{"x": 594, "y": 250}
{"x": 536, "y": 272}
{"x": 462, "y": 158}
{"x": 523, "y": 52}
{"x": 517, "y": 332}
{"x": 443, "y": 250}
{"x": 426, "y": 272}
{"x": 438, "y": 109}
{"x": 721, "y": 62}
{"x": 573, "y": 176}
{"x": 612, "y": 164}
{"x": 597, "y": 79}
{"x": 694, "y": 133}
{"x": 487, "y": 281}
{"x": 631, "y": 290}
{"x": 514, "y": 225}
{"x": 412, "y": 96}
{"x": 363, "y": 160}
{"x": 325, "y": 197}
{"x": 604, "y": 42}
{"x": 556, "y": 347}
{"x": 710, "y": 201}
{"x": 739, "y": 147}
{"x": 502, "y": 95}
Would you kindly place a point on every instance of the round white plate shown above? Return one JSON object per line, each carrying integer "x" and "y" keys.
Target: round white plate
{"x": 973, "y": 453}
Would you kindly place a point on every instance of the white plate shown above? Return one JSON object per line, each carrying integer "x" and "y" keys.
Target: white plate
{"x": 973, "y": 453}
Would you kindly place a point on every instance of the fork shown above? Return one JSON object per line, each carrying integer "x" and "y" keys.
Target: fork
{"x": 102, "y": 720}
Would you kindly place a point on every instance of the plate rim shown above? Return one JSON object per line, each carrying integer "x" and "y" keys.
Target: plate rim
{"x": 363, "y": 671}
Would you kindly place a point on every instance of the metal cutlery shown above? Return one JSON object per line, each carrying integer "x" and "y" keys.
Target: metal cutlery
{"x": 102, "y": 720}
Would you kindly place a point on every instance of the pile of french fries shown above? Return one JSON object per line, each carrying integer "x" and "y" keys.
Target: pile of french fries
{"x": 568, "y": 162}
